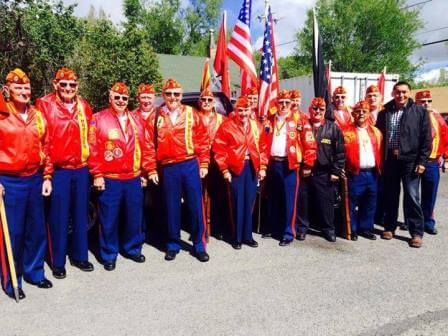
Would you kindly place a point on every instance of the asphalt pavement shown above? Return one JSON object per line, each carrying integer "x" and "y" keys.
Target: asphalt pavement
{"x": 308, "y": 288}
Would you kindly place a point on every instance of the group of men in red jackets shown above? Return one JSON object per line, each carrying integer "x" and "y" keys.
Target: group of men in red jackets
{"x": 59, "y": 149}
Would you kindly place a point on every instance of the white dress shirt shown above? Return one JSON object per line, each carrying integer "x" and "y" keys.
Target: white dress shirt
{"x": 366, "y": 153}
{"x": 278, "y": 147}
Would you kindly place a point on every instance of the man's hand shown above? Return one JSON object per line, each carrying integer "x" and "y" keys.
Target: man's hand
{"x": 203, "y": 172}
{"x": 228, "y": 177}
{"x": 306, "y": 172}
{"x": 46, "y": 188}
{"x": 154, "y": 178}
{"x": 419, "y": 169}
{"x": 261, "y": 174}
{"x": 2, "y": 190}
{"x": 99, "y": 183}
{"x": 143, "y": 181}
{"x": 334, "y": 178}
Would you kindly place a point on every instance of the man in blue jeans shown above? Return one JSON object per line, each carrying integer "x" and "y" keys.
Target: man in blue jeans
{"x": 407, "y": 146}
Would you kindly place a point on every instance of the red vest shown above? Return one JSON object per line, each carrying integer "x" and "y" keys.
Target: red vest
{"x": 184, "y": 140}
{"x": 233, "y": 141}
{"x": 115, "y": 153}
{"x": 439, "y": 132}
{"x": 352, "y": 147}
{"x": 24, "y": 144}
{"x": 346, "y": 119}
{"x": 68, "y": 131}
{"x": 300, "y": 142}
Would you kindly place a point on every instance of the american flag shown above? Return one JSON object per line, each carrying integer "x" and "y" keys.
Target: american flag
{"x": 268, "y": 69}
{"x": 239, "y": 48}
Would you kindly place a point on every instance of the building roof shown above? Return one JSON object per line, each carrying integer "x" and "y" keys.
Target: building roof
{"x": 187, "y": 70}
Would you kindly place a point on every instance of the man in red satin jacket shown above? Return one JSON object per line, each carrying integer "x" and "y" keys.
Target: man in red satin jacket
{"x": 116, "y": 146}
{"x": 146, "y": 95}
{"x": 363, "y": 150}
{"x": 25, "y": 176}
{"x": 68, "y": 116}
{"x": 342, "y": 112}
{"x": 181, "y": 150}
{"x": 240, "y": 154}
{"x": 289, "y": 147}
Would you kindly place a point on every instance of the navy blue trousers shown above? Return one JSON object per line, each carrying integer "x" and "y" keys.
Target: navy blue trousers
{"x": 25, "y": 215}
{"x": 430, "y": 185}
{"x": 182, "y": 179}
{"x": 396, "y": 172}
{"x": 282, "y": 186}
{"x": 243, "y": 189}
{"x": 125, "y": 198}
{"x": 69, "y": 205}
{"x": 362, "y": 191}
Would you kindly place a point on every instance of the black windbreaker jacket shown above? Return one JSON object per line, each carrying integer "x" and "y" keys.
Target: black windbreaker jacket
{"x": 330, "y": 149}
{"x": 415, "y": 132}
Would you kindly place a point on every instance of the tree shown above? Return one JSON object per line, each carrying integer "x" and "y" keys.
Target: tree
{"x": 38, "y": 36}
{"x": 163, "y": 26}
{"x": 363, "y": 36}
{"x": 200, "y": 17}
{"x": 106, "y": 55}
{"x": 292, "y": 66}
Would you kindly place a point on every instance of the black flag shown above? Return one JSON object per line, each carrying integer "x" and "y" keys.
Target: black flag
{"x": 319, "y": 71}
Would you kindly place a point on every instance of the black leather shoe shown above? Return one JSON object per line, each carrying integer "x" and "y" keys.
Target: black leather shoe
{"x": 202, "y": 256}
{"x": 45, "y": 284}
{"x": 59, "y": 273}
{"x": 404, "y": 227}
{"x": 301, "y": 236}
{"x": 331, "y": 237}
{"x": 354, "y": 236}
{"x": 251, "y": 243}
{"x": 237, "y": 246}
{"x": 219, "y": 236}
{"x": 109, "y": 265}
{"x": 369, "y": 235}
{"x": 21, "y": 295}
{"x": 432, "y": 231}
{"x": 84, "y": 266}
{"x": 266, "y": 235}
{"x": 284, "y": 242}
{"x": 170, "y": 255}
{"x": 137, "y": 258}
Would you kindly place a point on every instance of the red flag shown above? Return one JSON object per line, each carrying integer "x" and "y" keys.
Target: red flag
{"x": 221, "y": 65}
{"x": 205, "y": 82}
{"x": 239, "y": 48}
{"x": 382, "y": 82}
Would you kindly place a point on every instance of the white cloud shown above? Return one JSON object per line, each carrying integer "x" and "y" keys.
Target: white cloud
{"x": 113, "y": 8}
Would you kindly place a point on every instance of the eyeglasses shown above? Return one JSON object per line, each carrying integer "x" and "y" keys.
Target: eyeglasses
{"x": 65, "y": 84}
{"x": 172, "y": 94}
{"x": 372, "y": 95}
{"x": 426, "y": 101}
{"x": 123, "y": 98}
{"x": 340, "y": 97}
{"x": 206, "y": 100}
{"x": 284, "y": 102}
{"x": 241, "y": 110}
{"x": 319, "y": 108}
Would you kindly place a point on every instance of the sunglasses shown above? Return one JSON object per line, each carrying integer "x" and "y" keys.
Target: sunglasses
{"x": 123, "y": 98}
{"x": 241, "y": 110}
{"x": 65, "y": 84}
{"x": 319, "y": 108}
{"x": 172, "y": 94}
{"x": 284, "y": 102}
{"x": 206, "y": 100}
{"x": 340, "y": 97}
{"x": 426, "y": 101}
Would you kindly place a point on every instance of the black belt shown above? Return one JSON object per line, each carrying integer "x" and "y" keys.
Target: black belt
{"x": 279, "y": 158}
{"x": 367, "y": 170}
